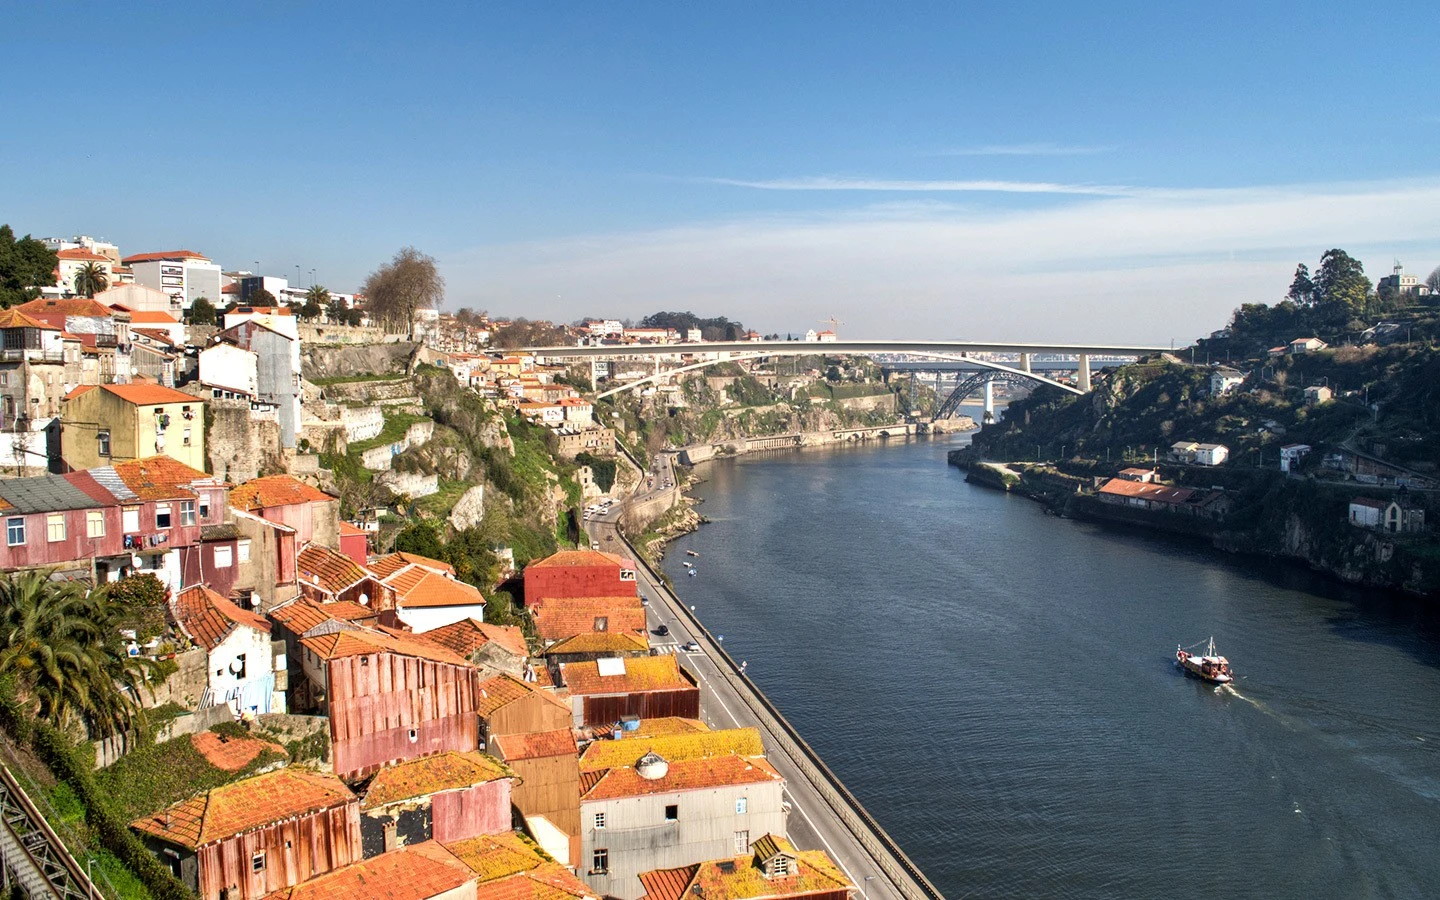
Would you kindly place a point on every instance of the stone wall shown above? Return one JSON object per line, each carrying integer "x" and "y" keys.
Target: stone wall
{"x": 240, "y": 441}
{"x": 317, "y": 361}
{"x": 110, "y": 749}
{"x": 347, "y": 334}
{"x": 412, "y": 483}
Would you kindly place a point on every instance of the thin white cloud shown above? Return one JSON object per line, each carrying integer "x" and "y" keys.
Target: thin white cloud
{"x": 1042, "y": 149}
{"x": 833, "y": 183}
{"x": 1143, "y": 268}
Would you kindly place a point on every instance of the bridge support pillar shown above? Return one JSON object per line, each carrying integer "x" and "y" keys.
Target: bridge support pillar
{"x": 1024, "y": 362}
{"x": 1082, "y": 375}
{"x": 989, "y": 401}
{"x": 594, "y": 384}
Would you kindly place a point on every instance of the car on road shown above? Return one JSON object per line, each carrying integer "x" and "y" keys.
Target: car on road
{"x": 662, "y": 630}
{"x": 594, "y": 545}
{"x": 690, "y": 647}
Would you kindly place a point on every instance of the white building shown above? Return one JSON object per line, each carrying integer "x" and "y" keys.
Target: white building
{"x": 183, "y": 274}
{"x": 605, "y": 327}
{"x": 69, "y": 265}
{"x": 279, "y": 319}
{"x": 84, "y": 242}
{"x": 811, "y": 336}
{"x": 139, "y": 298}
{"x": 1211, "y": 454}
{"x": 1400, "y": 283}
{"x": 827, "y": 337}
{"x": 1291, "y": 454}
{"x": 241, "y": 663}
{"x": 230, "y": 370}
{"x": 1223, "y": 381}
{"x": 1318, "y": 394}
{"x": 1366, "y": 513}
{"x": 694, "y": 335}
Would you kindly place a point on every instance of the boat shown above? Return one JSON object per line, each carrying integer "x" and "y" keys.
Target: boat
{"x": 1211, "y": 667}
{"x": 693, "y": 573}
{"x": 687, "y": 564}
{"x": 691, "y": 553}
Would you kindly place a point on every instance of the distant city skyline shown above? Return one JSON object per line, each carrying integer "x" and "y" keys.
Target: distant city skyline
{"x": 1046, "y": 173}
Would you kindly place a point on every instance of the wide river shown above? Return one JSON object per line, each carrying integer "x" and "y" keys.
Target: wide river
{"x": 996, "y": 685}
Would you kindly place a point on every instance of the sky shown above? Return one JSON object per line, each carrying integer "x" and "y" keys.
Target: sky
{"x": 1020, "y": 171}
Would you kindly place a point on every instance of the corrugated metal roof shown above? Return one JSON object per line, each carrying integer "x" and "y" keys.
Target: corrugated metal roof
{"x": 45, "y": 493}
{"x": 109, "y": 479}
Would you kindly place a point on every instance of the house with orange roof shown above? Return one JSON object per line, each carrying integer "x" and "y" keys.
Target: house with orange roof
{"x": 389, "y": 564}
{"x": 100, "y": 424}
{"x": 500, "y": 649}
{"x": 314, "y": 514}
{"x": 772, "y": 870}
{"x": 252, "y": 837}
{"x": 327, "y": 576}
{"x": 240, "y": 661}
{"x": 37, "y": 364}
{"x": 426, "y": 599}
{"x": 654, "y": 813}
{"x": 562, "y": 618}
{"x": 605, "y": 691}
{"x": 508, "y": 705}
{"x": 389, "y": 698}
{"x": 102, "y": 331}
{"x": 449, "y": 796}
{"x": 184, "y": 275}
{"x": 420, "y": 872}
{"x": 354, "y": 542}
{"x": 579, "y": 573}
{"x": 511, "y": 867}
{"x": 71, "y": 261}
{"x": 155, "y": 320}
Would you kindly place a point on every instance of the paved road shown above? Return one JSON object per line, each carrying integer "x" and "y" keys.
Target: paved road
{"x": 812, "y": 824}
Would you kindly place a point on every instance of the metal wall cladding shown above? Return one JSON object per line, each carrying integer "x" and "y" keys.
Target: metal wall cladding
{"x": 550, "y": 787}
{"x": 386, "y": 708}
{"x": 482, "y": 809}
{"x": 555, "y": 582}
{"x": 295, "y": 850}
{"x": 609, "y": 709}
{"x": 530, "y": 714}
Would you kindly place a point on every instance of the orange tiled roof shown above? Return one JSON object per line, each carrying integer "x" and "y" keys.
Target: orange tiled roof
{"x": 550, "y": 882}
{"x": 329, "y": 570}
{"x": 300, "y": 616}
{"x": 155, "y": 334}
{"x": 536, "y": 745}
{"x": 230, "y": 754}
{"x": 741, "y": 878}
{"x": 510, "y": 867}
{"x": 72, "y": 306}
{"x": 581, "y": 558}
{"x": 1157, "y": 493}
{"x": 410, "y": 873}
{"x": 159, "y": 477}
{"x": 673, "y": 747}
{"x": 389, "y": 564}
{"x": 208, "y": 618}
{"x": 14, "y": 318}
{"x": 164, "y": 255}
{"x": 347, "y": 529}
{"x": 406, "y": 578}
{"x": 448, "y": 771}
{"x": 245, "y": 805}
{"x": 502, "y": 690}
{"x": 468, "y": 635}
{"x": 566, "y": 617}
{"x": 601, "y": 642}
{"x": 661, "y": 726}
{"x": 81, "y": 253}
{"x": 140, "y": 394}
{"x": 642, "y": 673}
{"x": 433, "y": 589}
{"x": 364, "y": 641}
{"x": 275, "y": 490}
{"x": 152, "y": 317}
{"x": 683, "y": 775}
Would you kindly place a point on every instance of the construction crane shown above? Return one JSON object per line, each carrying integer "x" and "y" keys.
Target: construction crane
{"x": 833, "y": 322}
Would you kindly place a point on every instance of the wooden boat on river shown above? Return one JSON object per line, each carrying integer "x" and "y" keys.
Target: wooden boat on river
{"x": 1211, "y": 667}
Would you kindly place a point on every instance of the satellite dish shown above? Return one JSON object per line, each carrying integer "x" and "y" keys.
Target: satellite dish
{"x": 364, "y": 599}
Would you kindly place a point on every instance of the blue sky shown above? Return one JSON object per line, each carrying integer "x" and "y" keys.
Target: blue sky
{"x": 1045, "y": 171}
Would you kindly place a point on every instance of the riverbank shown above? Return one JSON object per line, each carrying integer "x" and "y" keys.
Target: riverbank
{"x": 801, "y": 440}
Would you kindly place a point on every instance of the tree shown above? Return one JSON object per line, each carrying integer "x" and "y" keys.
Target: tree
{"x": 26, "y": 266}
{"x": 1341, "y": 279}
{"x": 311, "y": 309}
{"x": 1302, "y": 289}
{"x": 91, "y": 279}
{"x": 260, "y": 297}
{"x": 62, "y": 646}
{"x": 421, "y": 539}
{"x": 317, "y": 298}
{"x": 396, "y": 290}
{"x": 202, "y": 312}
{"x": 1432, "y": 281}
{"x": 525, "y": 333}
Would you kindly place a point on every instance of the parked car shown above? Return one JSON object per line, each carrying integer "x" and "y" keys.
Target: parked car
{"x": 662, "y": 629}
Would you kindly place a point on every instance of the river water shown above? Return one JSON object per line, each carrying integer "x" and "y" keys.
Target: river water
{"x": 996, "y": 685}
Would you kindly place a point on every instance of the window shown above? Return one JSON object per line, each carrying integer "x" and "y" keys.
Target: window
{"x": 244, "y": 547}
{"x": 780, "y": 865}
{"x": 104, "y": 438}
{"x": 223, "y": 557}
{"x": 414, "y": 735}
{"x": 600, "y": 862}
{"x": 162, "y": 515}
{"x": 185, "y": 437}
{"x": 238, "y": 666}
{"x": 601, "y": 623}
{"x": 599, "y": 820}
{"x": 740, "y": 805}
{"x": 15, "y": 532}
{"x": 4, "y": 378}
{"x": 55, "y": 527}
{"x": 130, "y": 519}
{"x": 672, "y": 813}
{"x": 245, "y": 598}
{"x": 94, "y": 523}
{"x": 257, "y": 862}
{"x": 742, "y": 841}
{"x": 187, "y": 512}
{"x": 204, "y": 507}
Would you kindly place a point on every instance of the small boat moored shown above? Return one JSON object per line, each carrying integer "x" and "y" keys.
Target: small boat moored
{"x": 691, "y": 553}
{"x": 692, "y": 573}
{"x": 1211, "y": 667}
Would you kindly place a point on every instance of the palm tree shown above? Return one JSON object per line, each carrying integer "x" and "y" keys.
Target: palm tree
{"x": 91, "y": 279}
{"x": 61, "y": 645}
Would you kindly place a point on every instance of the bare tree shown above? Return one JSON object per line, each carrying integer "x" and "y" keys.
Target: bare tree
{"x": 1432, "y": 281}
{"x": 407, "y": 283}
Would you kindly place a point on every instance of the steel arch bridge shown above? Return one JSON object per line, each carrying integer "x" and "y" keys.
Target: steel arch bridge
{"x": 967, "y": 386}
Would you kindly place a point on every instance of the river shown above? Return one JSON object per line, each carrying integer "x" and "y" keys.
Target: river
{"x": 996, "y": 685}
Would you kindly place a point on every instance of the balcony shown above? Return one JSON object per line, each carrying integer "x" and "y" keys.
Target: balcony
{"x": 15, "y": 354}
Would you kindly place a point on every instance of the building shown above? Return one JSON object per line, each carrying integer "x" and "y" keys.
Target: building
{"x": 426, "y": 599}
{"x": 772, "y": 870}
{"x": 258, "y": 835}
{"x": 240, "y": 661}
{"x": 156, "y": 320}
{"x": 329, "y": 576}
{"x": 1211, "y": 454}
{"x": 184, "y": 275}
{"x": 1145, "y": 476}
{"x": 390, "y": 698}
{"x": 547, "y": 792}
{"x": 1291, "y": 454}
{"x": 1224, "y": 380}
{"x": 354, "y": 542}
{"x": 654, "y": 813}
{"x": 596, "y": 440}
{"x": 499, "y": 649}
{"x": 1398, "y": 283}
{"x": 314, "y": 514}
{"x": 104, "y": 334}
{"x": 605, "y": 691}
{"x": 508, "y": 705}
{"x": 1306, "y": 345}
{"x": 420, "y": 872}
{"x": 562, "y": 618}
{"x": 138, "y": 298}
{"x": 38, "y": 366}
{"x": 1367, "y": 512}
{"x": 1318, "y": 394}
{"x": 1389, "y": 516}
{"x": 598, "y": 645}
{"x": 578, "y": 573}
{"x": 447, "y": 797}
{"x": 510, "y": 867}
{"x": 109, "y": 422}
{"x": 260, "y": 362}
{"x": 826, "y": 337}
{"x": 71, "y": 261}
{"x": 1163, "y": 498}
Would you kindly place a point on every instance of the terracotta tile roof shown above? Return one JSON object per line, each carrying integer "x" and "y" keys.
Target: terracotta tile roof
{"x": 1155, "y": 493}
{"x": 347, "y": 529}
{"x": 448, "y": 771}
{"x": 771, "y": 845}
{"x": 155, "y": 334}
{"x": 388, "y": 565}
{"x": 164, "y": 255}
{"x": 329, "y": 570}
{"x": 643, "y": 673}
{"x": 433, "y": 589}
{"x": 73, "y": 306}
{"x": 662, "y": 726}
{"x": 567, "y": 558}
{"x": 552, "y": 882}
{"x": 561, "y": 618}
{"x": 409, "y": 873}
{"x": 468, "y": 635}
{"x": 510, "y": 867}
{"x": 601, "y": 642}
{"x": 275, "y": 490}
{"x": 364, "y": 641}
{"x": 674, "y": 748}
{"x": 406, "y": 578}
{"x": 230, "y": 754}
{"x": 82, "y": 253}
{"x": 299, "y": 616}
{"x": 159, "y": 477}
{"x": 536, "y": 745}
{"x": 245, "y": 805}
{"x": 141, "y": 394}
{"x": 683, "y": 775}
{"x": 741, "y": 878}
{"x": 208, "y": 618}
{"x": 502, "y": 690}
{"x": 348, "y": 611}
{"x": 81, "y": 389}
{"x": 14, "y": 318}
{"x": 152, "y": 317}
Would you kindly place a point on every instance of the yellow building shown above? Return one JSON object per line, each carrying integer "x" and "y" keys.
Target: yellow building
{"x": 106, "y": 423}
